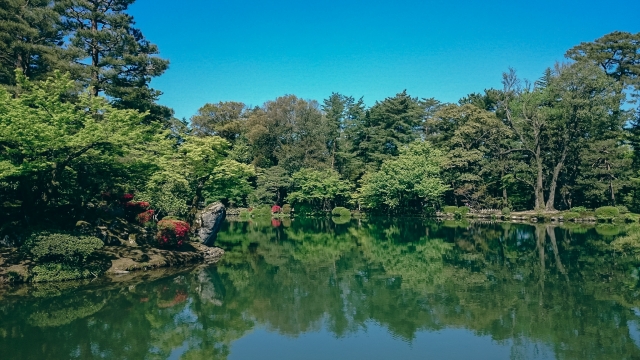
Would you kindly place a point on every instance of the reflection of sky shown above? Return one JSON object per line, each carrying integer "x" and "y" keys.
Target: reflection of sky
{"x": 375, "y": 342}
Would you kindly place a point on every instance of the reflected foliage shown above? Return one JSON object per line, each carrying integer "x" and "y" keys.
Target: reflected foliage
{"x": 564, "y": 287}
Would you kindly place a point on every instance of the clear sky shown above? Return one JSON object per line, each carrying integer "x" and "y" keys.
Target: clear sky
{"x": 253, "y": 51}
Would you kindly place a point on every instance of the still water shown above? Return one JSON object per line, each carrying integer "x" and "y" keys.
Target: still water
{"x": 376, "y": 289}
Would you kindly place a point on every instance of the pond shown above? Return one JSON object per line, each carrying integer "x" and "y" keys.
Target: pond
{"x": 374, "y": 289}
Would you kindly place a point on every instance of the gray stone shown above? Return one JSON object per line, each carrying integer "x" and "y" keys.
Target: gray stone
{"x": 209, "y": 221}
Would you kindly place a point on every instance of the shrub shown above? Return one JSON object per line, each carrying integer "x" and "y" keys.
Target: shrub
{"x": 607, "y": 213}
{"x": 632, "y": 218}
{"x": 607, "y": 229}
{"x": 579, "y": 209}
{"x": 450, "y": 209}
{"x": 62, "y": 247}
{"x": 59, "y": 272}
{"x": 286, "y": 209}
{"x": 570, "y": 215}
{"x": 622, "y": 209}
{"x": 429, "y": 212}
{"x": 262, "y": 211}
{"x": 506, "y": 211}
{"x": 244, "y": 214}
{"x": 462, "y": 211}
{"x": 172, "y": 232}
{"x": 275, "y": 209}
{"x": 145, "y": 217}
{"x": 341, "y": 211}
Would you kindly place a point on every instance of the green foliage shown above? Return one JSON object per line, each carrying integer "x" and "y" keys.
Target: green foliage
{"x": 341, "y": 211}
{"x": 622, "y": 209}
{"x": 244, "y": 214}
{"x": 62, "y": 247}
{"x": 272, "y": 185}
{"x": 50, "y": 272}
{"x": 462, "y": 211}
{"x": 570, "y": 215}
{"x": 62, "y": 153}
{"x": 506, "y": 211}
{"x": 607, "y": 213}
{"x": 113, "y": 57}
{"x": 450, "y": 209}
{"x": 286, "y": 209}
{"x": 409, "y": 182}
{"x": 608, "y": 229}
{"x": 579, "y": 209}
{"x": 319, "y": 189}
{"x": 261, "y": 211}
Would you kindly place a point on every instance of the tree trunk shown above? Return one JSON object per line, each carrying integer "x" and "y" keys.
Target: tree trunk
{"x": 613, "y": 196}
{"x": 505, "y": 200}
{"x": 95, "y": 57}
{"x": 554, "y": 181}
{"x": 539, "y": 180}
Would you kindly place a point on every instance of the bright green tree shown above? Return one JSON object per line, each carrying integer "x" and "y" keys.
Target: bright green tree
{"x": 58, "y": 153}
{"x": 409, "y": 182}
{"x": 320, "y": 189}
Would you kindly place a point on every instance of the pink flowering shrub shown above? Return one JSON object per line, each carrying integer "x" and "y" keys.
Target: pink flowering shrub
{"x": 145, "y": 217}
{"x": 172, "y": 233}
{"x": 275, "y": 209}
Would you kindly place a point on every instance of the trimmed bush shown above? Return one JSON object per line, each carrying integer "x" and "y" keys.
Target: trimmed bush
{"x": 262, "y": 211}
{"x": 275, "y": 209}
{"x": 570, "y": 215}
{"x": 59, "y": 272}
{"x": 462, "y": 211}
{"x": 632, "y": 218}
{"x": 579, "y": 209}
{"x": 622, "y": 209}
{"x": 145, "y": 217}
{"x": 244, "y": 214}
{"x": 607, "y": 213}
{"x": 60, "y": 247}
{"x": 286, "y": 209}
{"x": 607, "y": 229}
{"x": 506, "y": 211}
{"x": 341, "y": 211}
{"x": 450, "y": 209}
{"x": 172, "y": 232}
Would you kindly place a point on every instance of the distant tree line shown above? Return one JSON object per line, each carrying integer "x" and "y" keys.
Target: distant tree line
{"x": 80, "y": 125}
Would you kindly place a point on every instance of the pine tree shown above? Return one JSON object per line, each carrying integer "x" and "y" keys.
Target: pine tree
{"x": 30, "y": 39}
{"x": 115, "y": 56}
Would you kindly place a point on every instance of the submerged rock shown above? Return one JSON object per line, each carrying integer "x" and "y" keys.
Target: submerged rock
{"x": 209, "y": 221}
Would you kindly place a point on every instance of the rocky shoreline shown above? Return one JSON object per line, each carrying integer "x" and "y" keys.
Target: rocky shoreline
{"x": 129, "y": 248}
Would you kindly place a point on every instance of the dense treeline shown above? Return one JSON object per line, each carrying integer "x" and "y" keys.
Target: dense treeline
{"x": 80, "y": 126}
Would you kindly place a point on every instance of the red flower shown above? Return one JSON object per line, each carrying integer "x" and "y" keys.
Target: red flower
{"x": 172, "y": 232}
{"x": 275, "y": 209}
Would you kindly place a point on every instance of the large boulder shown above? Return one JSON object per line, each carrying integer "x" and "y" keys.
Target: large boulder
{"x": 209, "y": 221}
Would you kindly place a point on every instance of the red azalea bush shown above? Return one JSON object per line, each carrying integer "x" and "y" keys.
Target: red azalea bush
{"x": 127, "y": 197}
{"x": 275, "y": 209}
{"x": 142, "y": 205}
{"x": 145, "y": 217}
{"x": 172, "y": 232}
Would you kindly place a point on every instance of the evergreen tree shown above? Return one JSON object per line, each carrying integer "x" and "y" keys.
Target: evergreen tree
{"x": 113, "y": 55}
{"x": 388, "y": 125}
{"x": 30, "y": 39}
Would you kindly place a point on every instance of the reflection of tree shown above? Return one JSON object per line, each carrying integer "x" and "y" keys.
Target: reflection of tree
{"x": 519, "y": 283}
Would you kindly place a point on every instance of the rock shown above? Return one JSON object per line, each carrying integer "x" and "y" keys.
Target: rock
{"x": 209, "y": 221}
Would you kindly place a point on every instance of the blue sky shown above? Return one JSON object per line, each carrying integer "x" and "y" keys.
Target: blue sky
{"x": 253, "y": 51}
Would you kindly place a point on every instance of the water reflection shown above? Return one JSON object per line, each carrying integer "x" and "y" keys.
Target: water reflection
{"x": 364, "y": 289}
